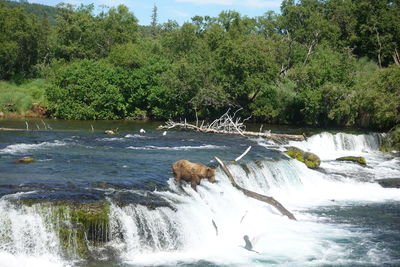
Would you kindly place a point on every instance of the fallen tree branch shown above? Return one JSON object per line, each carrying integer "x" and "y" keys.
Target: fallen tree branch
{"x": 244, "y": 154}
{"x": 268, "y": 135}
{"x": 14, "y": 129}
{"x": 229, "y": 125}
{"x": 266, "y": 199}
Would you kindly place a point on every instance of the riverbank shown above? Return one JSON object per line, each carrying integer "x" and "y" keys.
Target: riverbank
{"x": 24, "y": 100}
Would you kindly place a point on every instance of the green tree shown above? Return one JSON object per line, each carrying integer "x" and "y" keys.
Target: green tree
{"x": 377, "y": 30}
{"x": 87, "y": 89}
{"x": 179, "y": 41}
{"x": 305, "y": 22}
{"x": 323, "y": 84}
{"x": 245, "y": 66}
{"x": 276, "y": 103}
{"x": 80, "y": 34}
{"x": 378, "y": 99}
{"x": 117, "y": 26}
{"x": 19, "y": 42}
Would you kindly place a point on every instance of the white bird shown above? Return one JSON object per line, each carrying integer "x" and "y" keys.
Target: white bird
{"x": 142, "y": 131}
{"x": 164, "y": 133}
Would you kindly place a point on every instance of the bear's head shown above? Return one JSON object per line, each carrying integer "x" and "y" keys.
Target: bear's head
{"x": 210, "y": 173}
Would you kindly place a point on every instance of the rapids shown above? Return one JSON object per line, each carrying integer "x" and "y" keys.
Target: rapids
{"x": 343, "y": 216}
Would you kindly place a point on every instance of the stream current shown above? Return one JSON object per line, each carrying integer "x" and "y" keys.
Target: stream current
{"x": 344, "y": 218}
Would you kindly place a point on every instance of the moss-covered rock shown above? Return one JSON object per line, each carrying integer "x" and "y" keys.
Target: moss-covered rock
{"x": 80, "y": 226}
{"x": 359, "y": 160}
{"x": 311, "y": 160}
{"x": 25, "y": 160}
{"x": 389, "y": 182}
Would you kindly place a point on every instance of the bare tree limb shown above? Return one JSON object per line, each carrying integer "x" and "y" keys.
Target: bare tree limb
{"x": 396, "y": 57}
{"x": 380, "y": 46}
{"x": 266, "y": 199}
{"x": 227, "y": 124}
{"x": 244, "y": 154}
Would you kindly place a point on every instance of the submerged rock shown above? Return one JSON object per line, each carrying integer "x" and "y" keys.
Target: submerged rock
{"x": 359, "y": 160}
{"x": 110, "y": 132}
{"x": 389, "y": 182}
{"x": 311, "y": 160}
{"x": 25, "y": 160}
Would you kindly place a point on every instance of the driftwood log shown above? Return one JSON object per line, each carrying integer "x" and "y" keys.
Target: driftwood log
{"x": 273, "y": 136}
{"x": 227, "y": 124}
{"x": 13, "y": 130}
{"x": 266, "y": 199}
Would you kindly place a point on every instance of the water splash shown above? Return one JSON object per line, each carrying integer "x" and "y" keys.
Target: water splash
{"x": 209, "y": 225}
{"x": 327, "y": 145}
{"x": 23, "y": 148}
{"x": 26, "y": 237}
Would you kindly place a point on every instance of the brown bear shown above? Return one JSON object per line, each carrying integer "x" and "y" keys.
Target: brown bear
{"x": 192, "y": 172}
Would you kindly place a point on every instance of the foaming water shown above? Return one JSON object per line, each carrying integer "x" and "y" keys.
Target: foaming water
{"x": 23, "y": 148}
{"x": 179, "y": 226}
{"x": 21, "y": 260}
{"x": 26, "y": 238}
{"x": 210, "y": 225}
{"x": 125, "y": 138}
{"x": 301, "y": 187}
{"x": 175, "y": 147}
{"x": 195, "y": 238}
{"x": 327, "y": 145}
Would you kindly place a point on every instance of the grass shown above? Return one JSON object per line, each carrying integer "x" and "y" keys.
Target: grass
{"x": 20, "y": 98}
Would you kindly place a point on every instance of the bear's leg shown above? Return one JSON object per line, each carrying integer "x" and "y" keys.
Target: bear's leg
{"x": 195, "y": 181}
{"x": 177, "y": 178}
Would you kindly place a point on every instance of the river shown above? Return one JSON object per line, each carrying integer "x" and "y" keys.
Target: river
{"x": 344, "y": 218}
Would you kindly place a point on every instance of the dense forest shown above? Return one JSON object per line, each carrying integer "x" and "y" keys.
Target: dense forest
{"x": 317, "y": 62}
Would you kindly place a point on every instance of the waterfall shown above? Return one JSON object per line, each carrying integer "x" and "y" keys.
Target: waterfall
{"x": 207, "y": 225}
{"x": 26, "y": 237}
{"x": 139, "y": 229}
{"x": 327, "y": 145}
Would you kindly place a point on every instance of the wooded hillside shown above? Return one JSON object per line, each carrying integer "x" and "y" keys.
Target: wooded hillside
{"x": 316, "y": 63}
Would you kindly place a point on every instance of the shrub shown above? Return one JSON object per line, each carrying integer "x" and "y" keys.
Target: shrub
{"x": 87, "y": 89}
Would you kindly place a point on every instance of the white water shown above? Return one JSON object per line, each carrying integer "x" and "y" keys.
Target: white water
{"x": 23, "y": 148}
{"x": 175, "y": 147}
{"x": 126, "y": 137}
{"x": 164, "y": 236}
{"x": 331, "y": 146}
{"x": 26, "y": 239}
{"x": 278, "y": 239}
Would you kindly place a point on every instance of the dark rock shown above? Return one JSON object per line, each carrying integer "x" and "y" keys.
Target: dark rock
{"x": 389, "y": 182}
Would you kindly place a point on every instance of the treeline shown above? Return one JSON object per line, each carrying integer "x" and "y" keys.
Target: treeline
{"x": 317, "y": 63}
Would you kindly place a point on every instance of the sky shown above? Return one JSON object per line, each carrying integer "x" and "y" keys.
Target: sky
{"x": 179, "y": 10}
